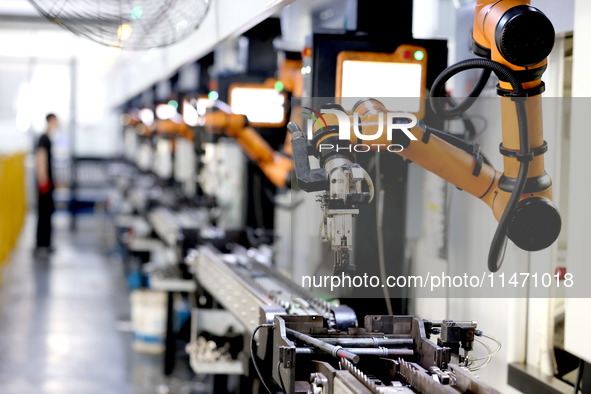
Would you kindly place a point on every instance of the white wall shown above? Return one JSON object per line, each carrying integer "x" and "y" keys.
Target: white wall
{"x": 36, "y": 65}
{"x": 578, "y": 318}
{"x": 12, "y": 77}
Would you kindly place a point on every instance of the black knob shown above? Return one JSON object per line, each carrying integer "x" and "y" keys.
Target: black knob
{"x": 524, "y": 36}
{"x": 535, "y": 224}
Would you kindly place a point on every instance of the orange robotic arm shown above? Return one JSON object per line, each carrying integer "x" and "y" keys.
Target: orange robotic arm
{"x": 520, "y": 37}
{"x": 517, "y": 38}
{"x": 134, "y": 121}
{"x": 274, "y": 165}
{"x": 168, "y": 126}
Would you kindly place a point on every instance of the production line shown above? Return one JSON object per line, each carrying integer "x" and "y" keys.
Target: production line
{"x": 304, "y": 343}
{"x": 336, "y": 353}
{"x": 294, "y": 208}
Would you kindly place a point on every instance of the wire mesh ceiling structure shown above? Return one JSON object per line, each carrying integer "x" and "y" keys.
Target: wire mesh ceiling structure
{"x": 132, "y": 24}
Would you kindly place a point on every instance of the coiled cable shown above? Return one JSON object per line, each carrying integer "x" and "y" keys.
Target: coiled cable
{"x": 499, "y": 241}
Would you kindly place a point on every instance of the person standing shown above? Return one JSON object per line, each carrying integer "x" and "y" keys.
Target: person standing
{"x": 45, "y": 205}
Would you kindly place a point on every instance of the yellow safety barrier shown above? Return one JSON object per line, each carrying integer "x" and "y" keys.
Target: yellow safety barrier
{"x": 12, "y": 203}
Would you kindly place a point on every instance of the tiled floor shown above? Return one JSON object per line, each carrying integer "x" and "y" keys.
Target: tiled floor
{"x": 62, "y": 321}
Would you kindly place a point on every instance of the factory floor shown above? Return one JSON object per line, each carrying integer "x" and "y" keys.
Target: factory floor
{"x": 65, "y": 320}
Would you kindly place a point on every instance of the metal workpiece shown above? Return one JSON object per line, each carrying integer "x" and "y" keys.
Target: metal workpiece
{"x": 419, "y": 379}
{"x": 205, "y": 356}
{"x": 348, "y": 378}
{"x": 464, "y": 381}
{"x": 444, "y": 377}
{"x": 203, "y": 350}
{"x": 335, "y": 351}
{"x": 456, "y": 380}
{"x": 311, "y": 338}
{"x": 367, "y": 342}
{"x": 394, "y": 356}
{"x": 427, "y": 353}
{"x": 380, "y": 352}
{"x": 362, "y": 377}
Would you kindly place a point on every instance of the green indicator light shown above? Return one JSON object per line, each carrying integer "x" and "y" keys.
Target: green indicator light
{"x": 137, "y": 12}
{"x": 419, "y": 55}
{"x": 279, "y": 86}
{"x": 173, "y": 104}
{"x": 213, "y": 95}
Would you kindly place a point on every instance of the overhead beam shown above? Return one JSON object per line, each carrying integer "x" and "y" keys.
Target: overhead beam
{"x": 26, "y": 22}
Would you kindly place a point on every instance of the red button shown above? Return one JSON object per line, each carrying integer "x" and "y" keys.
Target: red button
{"x": 561, "y": 272}
{"x": 406, "y": 54}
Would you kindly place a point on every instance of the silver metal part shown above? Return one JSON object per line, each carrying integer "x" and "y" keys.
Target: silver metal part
{"x": 368, "y": 342}
{"x": 254, "y": 293}
{"x": 336, "y": 351}
{"x": 418, "y": 378}
{"x": 249, "y": 305}
{"x": 464, "y": 380}
{"x": 363, "y": 378}
{"x": 396, "y": 357}
{"x": 206, "y": 358}
{"x": 380, "y": 352}
{"x": 206, "y": 351}
{"x": 309, "y": 337}
{"x": 165, "y": 225}
{"x": 340, "y": 205}
{"x": 340, "y": 221}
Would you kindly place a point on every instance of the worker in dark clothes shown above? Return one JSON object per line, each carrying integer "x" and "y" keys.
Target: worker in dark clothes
{"x": 45, "y": 186}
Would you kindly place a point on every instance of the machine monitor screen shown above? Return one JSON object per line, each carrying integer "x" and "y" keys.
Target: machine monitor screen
{"x": 263, "y": 106}
{"x": 400, "y": 75}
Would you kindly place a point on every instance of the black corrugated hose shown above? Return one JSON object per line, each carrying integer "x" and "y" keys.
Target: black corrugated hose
{"x": 499, "y": 242}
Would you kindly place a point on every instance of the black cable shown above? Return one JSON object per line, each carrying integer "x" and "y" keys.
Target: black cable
{"x": 458, "y": 110}
{"x": 280, "y": 377}
{"x": 470, "y": 130}
{"x": 497, "y": 247}
{"x": 458, "y": 142}
{"x": 499, "y": 242}
{"x": 579, "y": 376}
{"x": 481, "y": 118}
{"x": 253, "y": 357}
